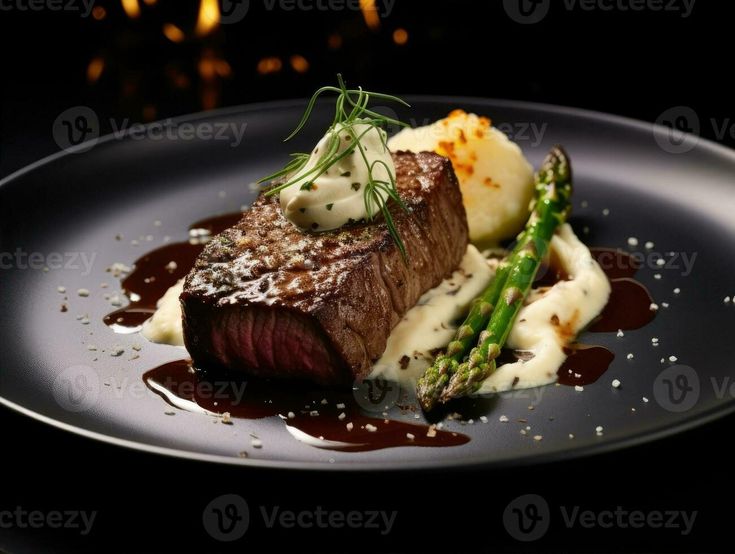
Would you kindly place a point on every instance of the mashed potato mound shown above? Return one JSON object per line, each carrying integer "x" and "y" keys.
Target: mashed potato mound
{"x": 494, "y": 175}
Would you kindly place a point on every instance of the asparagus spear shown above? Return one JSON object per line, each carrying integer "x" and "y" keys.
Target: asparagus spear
{"x": 553, "y": 193}
{"x": 431, "y": 385}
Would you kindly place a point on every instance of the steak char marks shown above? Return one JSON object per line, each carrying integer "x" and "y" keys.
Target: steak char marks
{"x": 273, "y": 301}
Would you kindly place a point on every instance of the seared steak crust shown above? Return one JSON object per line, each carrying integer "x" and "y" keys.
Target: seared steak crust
{"x": 272, "y": 300}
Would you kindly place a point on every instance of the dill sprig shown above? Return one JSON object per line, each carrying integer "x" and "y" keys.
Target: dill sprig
{"x": 351, "y": 108}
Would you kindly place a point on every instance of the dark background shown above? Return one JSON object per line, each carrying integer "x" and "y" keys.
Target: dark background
{"x": 123, "y": 66}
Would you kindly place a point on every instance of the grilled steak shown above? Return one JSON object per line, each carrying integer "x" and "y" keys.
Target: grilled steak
{"x": 274, "y": 301}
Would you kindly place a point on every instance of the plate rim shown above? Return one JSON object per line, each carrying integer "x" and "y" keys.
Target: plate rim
{"x": 643, "y": 437}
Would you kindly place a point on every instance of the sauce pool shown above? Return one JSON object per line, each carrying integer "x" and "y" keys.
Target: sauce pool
{"x": 628, "y": 308}
{"x": 321, "y": 414}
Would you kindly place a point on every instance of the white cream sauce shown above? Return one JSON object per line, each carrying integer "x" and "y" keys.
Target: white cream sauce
{"x": 431, "y": 323}
{"x": 337, "y": 196}
{"x": 549, "y": 320}
{"x": 165, "y": 325}
{"x": 553, "y": 317}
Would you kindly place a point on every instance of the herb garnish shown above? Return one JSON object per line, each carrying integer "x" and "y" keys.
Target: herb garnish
{"x": 351, "y": 108}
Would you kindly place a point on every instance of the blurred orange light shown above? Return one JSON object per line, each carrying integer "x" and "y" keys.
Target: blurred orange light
{"x": 223, "y": 68}
{"x": 299, "y": 63}
{"x": 149, "y": 112}
{"x": 181, "y": 80}
{"x": 94, "y": 69}
{"x": 99, "y": 13}
{"x": 400, "y": 36}
{"x": 269, "y": 65}
{"x": 173, "y": 33}
{"x": 208, "y": 18}
{"x": 370, "y": 13}
{"x": 132, "y": 8}
{"x": 149, "y": 2}
{"x": 334, "y": 41}
{"x": 207, "y": 69}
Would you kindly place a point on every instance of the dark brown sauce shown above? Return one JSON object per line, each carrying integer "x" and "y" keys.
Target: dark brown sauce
{"x": 616, "y": 263}
{"x": 244, "y": 398}
{"x": 629, "y": 308}
{"x": 153, "y": 275}
{"x": 585, "y": 364}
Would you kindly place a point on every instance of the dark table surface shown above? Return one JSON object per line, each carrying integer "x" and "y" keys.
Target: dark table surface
{"x": 634, "y": 62}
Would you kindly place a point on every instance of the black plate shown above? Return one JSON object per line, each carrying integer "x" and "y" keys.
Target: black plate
{"x": 656, "y": 187}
